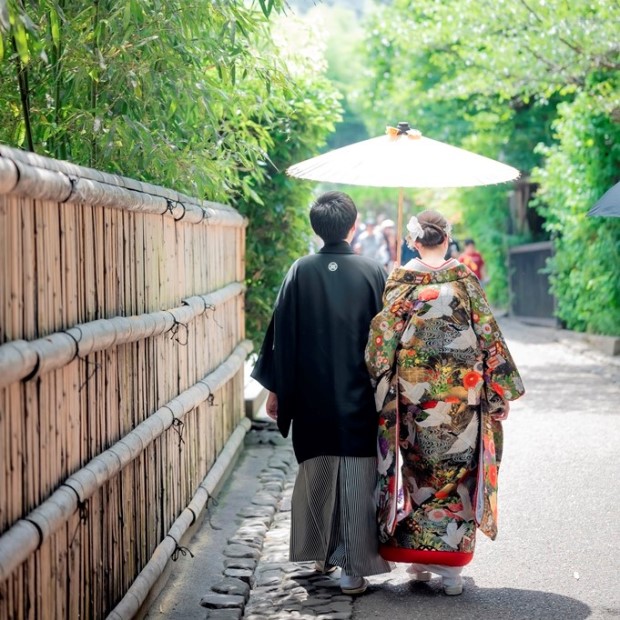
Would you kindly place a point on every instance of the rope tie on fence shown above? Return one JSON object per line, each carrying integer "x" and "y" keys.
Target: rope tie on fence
{"x": 212, "y": 308}
{"x": 83, "y": 510}
{"x": 174, "y": 331}
{"x": 179, "y": 549}
{"x": 170, "y": 208}
{"x": 213, "y": 503}
{"x": 211, "y": 398}
{"x": 79, "y": 499}
{"x": 38, "y": 528}
{"x": 205, "y": 304}
{"x": 96, "y": 365}
{"x": 178, "y": 426}
{"x": 73, "y": 182}
{"x": 35, "y": 370}
{"x": 76, "y": 342}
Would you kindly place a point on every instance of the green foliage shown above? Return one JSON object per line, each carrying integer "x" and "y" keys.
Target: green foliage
{"x": 191, "y": 95}
{"x": 279, "y": 230}
{"x": 342, "y": 32}
{"x": 492, "y": 76}
{"x": 169, "y": 92}
{"x": 578, "y": 170}
{"x": 484, "y": 211}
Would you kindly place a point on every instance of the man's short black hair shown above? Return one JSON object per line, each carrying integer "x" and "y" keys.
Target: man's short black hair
{"x": 469, "y": 242}
{"x": 332, "y": 216}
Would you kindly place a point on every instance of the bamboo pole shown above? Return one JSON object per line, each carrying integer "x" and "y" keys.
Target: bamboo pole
{"x": 8, "y": 176}
{"x": 399, "y": 227}
{"x": 46, "y": 179}
{"x": 29, "y": 533}
{"x": 20, "y": 359}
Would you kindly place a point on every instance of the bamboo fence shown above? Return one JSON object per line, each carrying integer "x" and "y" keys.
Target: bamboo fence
{"x": 121, "y": 379}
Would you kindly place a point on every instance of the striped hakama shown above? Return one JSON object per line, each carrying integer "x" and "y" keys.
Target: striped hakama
{"x": 334, "y": 514}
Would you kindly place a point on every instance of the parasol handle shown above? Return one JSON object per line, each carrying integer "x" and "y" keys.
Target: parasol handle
{"x": 399, "y": 227}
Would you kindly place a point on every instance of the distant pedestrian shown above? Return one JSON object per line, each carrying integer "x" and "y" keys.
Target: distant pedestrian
{"x": 443, "y": 377}
{"x": 473, "y": 259}
{"x": 453, "y": 249}
{"x": 388, "y": 230}
{"x": 407, "y": 253}
{"x": 312, "y": 362}
{"x": 372, "y": 244}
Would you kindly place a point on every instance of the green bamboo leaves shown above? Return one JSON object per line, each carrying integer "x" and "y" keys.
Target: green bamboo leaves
{"x": 190, "y": 95}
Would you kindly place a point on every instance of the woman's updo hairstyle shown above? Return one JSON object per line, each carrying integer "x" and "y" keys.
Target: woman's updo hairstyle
{"x": 431, "y": 229}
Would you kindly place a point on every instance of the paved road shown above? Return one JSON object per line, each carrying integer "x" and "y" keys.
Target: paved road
{"x": 557, "y": 555}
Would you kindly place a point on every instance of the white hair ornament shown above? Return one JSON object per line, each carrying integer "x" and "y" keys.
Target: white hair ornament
{"x": 417, "y": 232}
{"x": 415, "y": 228}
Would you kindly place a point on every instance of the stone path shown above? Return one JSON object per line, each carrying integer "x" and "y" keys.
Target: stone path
{"x": 259, "y": 582}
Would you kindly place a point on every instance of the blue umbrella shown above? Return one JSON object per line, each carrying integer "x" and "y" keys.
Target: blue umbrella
{"x": 609, "y": 203}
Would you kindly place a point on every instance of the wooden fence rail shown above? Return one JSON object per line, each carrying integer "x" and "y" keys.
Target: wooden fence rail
{"x": 121, "y": 379}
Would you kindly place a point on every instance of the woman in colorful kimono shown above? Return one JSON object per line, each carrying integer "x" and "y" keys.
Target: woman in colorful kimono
{"x": 443, "y": 377}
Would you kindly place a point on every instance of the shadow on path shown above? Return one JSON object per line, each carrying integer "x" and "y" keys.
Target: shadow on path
{"x": 410, "y": 599}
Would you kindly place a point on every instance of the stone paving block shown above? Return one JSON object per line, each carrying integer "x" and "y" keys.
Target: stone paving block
{"x": 271, "y": 474}
{"x": 224, "y": 614}
{"x": 273, "y": 487}
{"x": 269, "y": 566}
{"x": 262, "y": 523}
{"x": 264, "y": 499}
{"x": 245, "y": 574}
{"x": 256, "y": 542}
{"x": 332, "y": 607}
{"x": 241, "y": 551}
{"x": 257, "y": 511}
{"x": 222, "y": 601}
{"x": 248, "y": 563}
{"x": 232, "y": 585}
{"x": 254, "y": 528}
{"x": 283, "y": 467}
{"x": 270, "y": 577}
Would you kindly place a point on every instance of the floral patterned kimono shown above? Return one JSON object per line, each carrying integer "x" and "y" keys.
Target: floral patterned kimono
{"x": 440, "y": 367}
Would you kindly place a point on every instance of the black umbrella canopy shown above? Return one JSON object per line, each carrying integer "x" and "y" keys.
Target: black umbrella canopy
{"x": 609, "y": 204}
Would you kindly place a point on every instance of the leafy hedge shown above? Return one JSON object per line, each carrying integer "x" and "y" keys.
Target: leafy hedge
{"x": 579, "y": 168}
{"x": 279, "y": 229}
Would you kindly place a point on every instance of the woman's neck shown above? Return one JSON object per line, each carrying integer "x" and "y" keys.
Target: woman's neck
{"x": 433, "y": 257}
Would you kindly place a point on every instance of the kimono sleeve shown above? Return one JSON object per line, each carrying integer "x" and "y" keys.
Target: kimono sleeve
{"x": 274, "y": 368}
{"x": 386, "y": 329}
{"x": 501, "y": 376}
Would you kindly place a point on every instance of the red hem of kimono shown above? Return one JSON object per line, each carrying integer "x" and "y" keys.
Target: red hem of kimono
{"x": 420, "y": 556}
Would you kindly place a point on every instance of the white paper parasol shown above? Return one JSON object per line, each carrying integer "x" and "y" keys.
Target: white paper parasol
{"x": 403, "y": 158}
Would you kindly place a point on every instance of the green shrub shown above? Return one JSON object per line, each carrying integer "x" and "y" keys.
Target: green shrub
{"x": 279, "y": 229}
{"x": 585, "y": 162}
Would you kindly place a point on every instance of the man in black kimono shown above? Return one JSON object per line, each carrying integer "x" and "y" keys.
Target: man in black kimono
{"x": 312, "y": 362}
